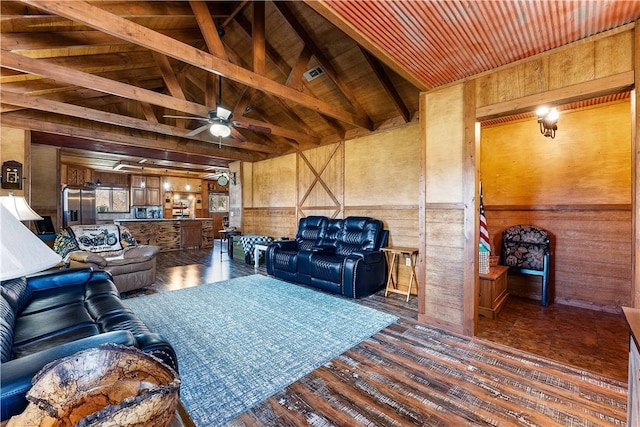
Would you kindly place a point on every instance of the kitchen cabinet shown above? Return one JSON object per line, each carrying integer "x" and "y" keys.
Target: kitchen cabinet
{"x": 76, "y": 176}
{"x": 145, "y": 190}
{"x": 190, "y": 234}
{"x": 110, "y": 179}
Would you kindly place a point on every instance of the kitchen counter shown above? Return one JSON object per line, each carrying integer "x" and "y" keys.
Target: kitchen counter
{"x": 171, "y": 234}
{"x": 117, "y": 221}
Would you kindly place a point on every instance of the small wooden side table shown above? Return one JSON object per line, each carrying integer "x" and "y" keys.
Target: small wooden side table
{"x": 393, "y": 255}
{"x": 493, "y": 291}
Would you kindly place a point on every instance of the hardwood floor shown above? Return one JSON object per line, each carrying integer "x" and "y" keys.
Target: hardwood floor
{"x": 593, "y": 341}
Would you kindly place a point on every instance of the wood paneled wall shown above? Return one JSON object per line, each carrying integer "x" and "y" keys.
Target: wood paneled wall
{"x": 590, "y": 68}
{"x": 590, "y": 254}
{"x": 45, "y": 182}
{"x": 589, "y": 161}
{"x": 376, "y": 175}
{"x": 576, "y": 186}
{"x": 14, "y": 145}
{"x": 273, "y": 222}
{"x": 442, "y": 245}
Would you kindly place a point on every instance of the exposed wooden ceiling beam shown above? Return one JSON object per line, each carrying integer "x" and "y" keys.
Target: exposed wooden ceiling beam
{"x": 109, "y": 23}
{"x": 117, "y": 135}
{"x": 259, "y": 39}
{"x": 28, "y": 65}
{"x": 293, "y": 76}
{"x": 322, "y": 59}
{"x": 46, "y": 105}
{"x": 80, "y": 43}
{"x": 63, "y": 74}
{"x": 208, "y": 28}
{"x": 384, "y": 79}
{"x": 326, "y": 11}
{"x": 168, "y": 75}
{"x": 76, "y": 143}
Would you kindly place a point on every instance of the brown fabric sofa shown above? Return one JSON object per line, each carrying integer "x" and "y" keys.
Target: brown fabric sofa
{"x": 109, "y": 248}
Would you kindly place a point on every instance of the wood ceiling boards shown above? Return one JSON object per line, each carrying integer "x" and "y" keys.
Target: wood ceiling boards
{"x": 107, "y": 72}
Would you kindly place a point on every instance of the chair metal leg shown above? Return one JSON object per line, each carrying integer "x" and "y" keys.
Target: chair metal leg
{"x": 545, "y": 282}
{"x": 545, "y": 295}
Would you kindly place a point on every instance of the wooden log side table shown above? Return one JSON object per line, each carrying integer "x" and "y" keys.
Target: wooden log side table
{"x": 393, "y": 255}
{"x": 493, "y": 291}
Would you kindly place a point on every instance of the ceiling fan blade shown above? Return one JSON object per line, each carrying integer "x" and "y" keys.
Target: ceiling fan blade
{"x": 204, "y": 119}
{"x": 237, "y": 135}
{"x": 252, "y": 127}
{"x": 199, "y": 130}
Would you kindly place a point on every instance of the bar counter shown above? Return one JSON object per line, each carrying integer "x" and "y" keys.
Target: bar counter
{"x": 171, "y": 234}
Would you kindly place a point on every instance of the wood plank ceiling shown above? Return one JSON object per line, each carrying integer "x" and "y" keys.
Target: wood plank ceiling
{"x": 101, "y": 76}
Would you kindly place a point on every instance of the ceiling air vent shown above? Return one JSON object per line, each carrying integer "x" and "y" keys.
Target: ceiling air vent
{"x": 313, "y": 73}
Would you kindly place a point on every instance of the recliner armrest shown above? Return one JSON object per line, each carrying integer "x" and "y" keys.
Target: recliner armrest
{"x": 285, "y": 245}
{"x": 16, "y": 375}
{"x": 368, "y": 257}
{"x": 156, "y": 345}
{"x": 58, "y": 278}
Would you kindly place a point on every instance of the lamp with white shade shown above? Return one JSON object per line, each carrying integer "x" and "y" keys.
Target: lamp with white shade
{"x": 21, "y": 252}
{"x": 19, "y": 207}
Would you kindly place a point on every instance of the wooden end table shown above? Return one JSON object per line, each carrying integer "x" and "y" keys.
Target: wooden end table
{"x": 493, "y": 291}
{"x": 393, "y": 255}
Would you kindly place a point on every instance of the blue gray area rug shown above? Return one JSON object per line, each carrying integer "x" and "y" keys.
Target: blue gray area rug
{"x": 240, "y": 341}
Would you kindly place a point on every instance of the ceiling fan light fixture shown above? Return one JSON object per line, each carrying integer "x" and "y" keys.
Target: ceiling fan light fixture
{"x": 220, "y": 130}
{"x": 223, "y": 113}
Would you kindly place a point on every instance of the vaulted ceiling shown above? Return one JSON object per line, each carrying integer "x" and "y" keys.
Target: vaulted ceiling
{"x": 102, "y": 76}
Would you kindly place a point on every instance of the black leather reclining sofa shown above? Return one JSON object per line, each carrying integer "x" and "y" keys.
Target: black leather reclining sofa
{"x": 341, "y": 256}
{"x": 52, "y": 315}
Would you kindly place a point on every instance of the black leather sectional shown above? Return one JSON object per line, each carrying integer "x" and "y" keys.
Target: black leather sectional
{"x": 53, "y": 315}
{"x": 341, "y": 256}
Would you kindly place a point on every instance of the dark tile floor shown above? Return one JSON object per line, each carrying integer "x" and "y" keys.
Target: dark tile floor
{"x": 593, "y": 340}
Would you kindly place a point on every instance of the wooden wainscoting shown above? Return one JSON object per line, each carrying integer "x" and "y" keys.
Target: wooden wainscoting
{"x": 402, "y": 223}
{"x": 273, "y": 222}
{"x": 591, "y": 252}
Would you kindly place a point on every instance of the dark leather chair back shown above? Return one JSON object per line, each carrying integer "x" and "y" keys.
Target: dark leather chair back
{"x": 310, "y": 232}
{"x": 359, "y": 234}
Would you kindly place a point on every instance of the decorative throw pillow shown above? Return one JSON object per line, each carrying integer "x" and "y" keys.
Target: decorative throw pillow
{"x": 65, "y": 243}
{"x": 126, "y": 239}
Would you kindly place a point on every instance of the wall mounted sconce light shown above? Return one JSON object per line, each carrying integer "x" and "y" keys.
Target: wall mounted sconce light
{"x": 548, "y": 121}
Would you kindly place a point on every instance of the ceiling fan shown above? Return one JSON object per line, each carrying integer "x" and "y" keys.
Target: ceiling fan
{"x": 219, "y": 121}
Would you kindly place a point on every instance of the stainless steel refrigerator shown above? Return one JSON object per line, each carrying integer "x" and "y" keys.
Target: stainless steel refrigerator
{"x": 79, "y": 205}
